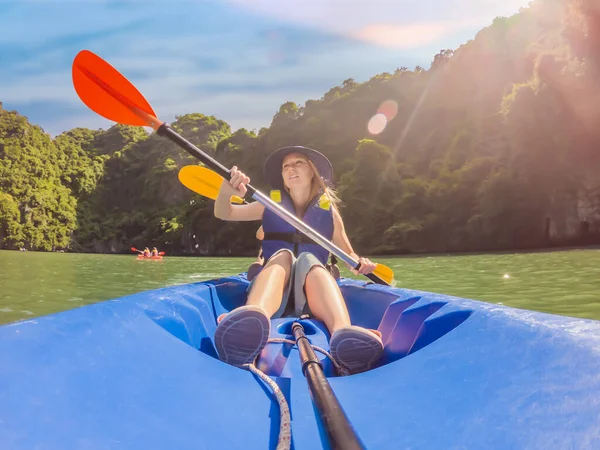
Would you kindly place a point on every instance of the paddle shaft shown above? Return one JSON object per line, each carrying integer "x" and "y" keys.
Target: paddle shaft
{"x": 166, "y": 131}
{"x": 340, "y": 433}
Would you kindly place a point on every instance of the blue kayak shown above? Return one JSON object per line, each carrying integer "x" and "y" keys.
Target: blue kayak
{"x": 141, "y": 372}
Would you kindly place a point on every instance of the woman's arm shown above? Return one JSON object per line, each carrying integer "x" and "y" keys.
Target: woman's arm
{"x": 340, "y": 239}
{"x": 224, "y": 210}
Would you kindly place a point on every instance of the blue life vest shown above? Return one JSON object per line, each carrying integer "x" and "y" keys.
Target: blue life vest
{"x": 279, "y": 234}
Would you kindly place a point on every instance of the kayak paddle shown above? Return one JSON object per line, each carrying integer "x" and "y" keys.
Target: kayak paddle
{"x": 108, "y": 93}
{"x": 204, "y": 181}
{"x": 104, "y": 90}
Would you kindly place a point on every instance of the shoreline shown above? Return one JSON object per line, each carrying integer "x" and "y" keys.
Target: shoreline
{"x": 375, "y": 255}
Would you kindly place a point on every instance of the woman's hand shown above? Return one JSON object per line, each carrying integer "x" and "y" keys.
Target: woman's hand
{"x": 238, "y": 182}
{"x": 366, "y": 266}
{"x": 236, "y": 185}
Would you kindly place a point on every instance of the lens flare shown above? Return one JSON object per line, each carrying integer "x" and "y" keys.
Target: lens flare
{"x": 389, "y": 109}
{"x": 377, "y": 123}
{"x": 385, "y": 113}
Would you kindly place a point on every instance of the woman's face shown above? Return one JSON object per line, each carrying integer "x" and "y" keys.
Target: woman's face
{"x": 296, "y": 172}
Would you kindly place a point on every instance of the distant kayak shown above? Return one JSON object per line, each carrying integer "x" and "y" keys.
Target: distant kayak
{"x": 141, "y": 253}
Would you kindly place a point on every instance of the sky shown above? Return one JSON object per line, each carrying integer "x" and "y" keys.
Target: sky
{"x": 238, "y": 60}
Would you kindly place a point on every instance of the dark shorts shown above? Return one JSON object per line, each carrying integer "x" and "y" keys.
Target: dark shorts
{"x": 300, "y": 268}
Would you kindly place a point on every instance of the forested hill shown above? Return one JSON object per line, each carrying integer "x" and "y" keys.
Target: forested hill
{"x": 495, "y": 146}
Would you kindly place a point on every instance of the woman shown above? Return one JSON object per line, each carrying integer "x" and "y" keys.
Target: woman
{"x": 298, "y": 176}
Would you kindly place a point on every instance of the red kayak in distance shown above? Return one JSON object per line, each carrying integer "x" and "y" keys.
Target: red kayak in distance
{"x": 160, "y": 254}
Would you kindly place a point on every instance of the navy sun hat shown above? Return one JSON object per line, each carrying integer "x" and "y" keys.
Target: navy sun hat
{"x": 274, "y": 162}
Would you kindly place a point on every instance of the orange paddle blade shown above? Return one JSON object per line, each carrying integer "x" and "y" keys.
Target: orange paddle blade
{"x": 108, "y": 93}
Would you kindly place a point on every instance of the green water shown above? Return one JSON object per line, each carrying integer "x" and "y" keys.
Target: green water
{"x": 561, "y": 282}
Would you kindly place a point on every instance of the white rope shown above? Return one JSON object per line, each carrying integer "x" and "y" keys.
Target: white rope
{"x": 284, "y": 441}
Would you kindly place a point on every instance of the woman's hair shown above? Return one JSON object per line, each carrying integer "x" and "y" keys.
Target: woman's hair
{"x": 318, "y": 184}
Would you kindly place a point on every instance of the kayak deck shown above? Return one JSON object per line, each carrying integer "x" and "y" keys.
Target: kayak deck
{"x": 141, "y": 372}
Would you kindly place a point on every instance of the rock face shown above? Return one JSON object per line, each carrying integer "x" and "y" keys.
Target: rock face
{"x": 588, "y": 211}
{"x": 577, "y": 222}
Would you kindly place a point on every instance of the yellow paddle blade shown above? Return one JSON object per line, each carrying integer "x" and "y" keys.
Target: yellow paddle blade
{"x": 203, "y": 181}
{"x": 385, "y": 273}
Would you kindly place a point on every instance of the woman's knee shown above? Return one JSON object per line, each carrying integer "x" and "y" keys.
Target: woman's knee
{"x": 283, "y": 259}
{"x": 307, "y": 259}
{"x": 253, "y": 270}
{"x": 306, "y": 256}
{"x": 317, "y": 271}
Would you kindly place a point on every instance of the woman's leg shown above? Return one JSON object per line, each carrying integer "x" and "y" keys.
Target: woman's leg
{"x": 325, "y": 300}
{"x": 242, "y": 333}
{"x": 355, "y": 348}
{"x": 267, "y": 289}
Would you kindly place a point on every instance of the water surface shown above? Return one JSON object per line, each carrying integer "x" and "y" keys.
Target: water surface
{"x": 559, "y": 282}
